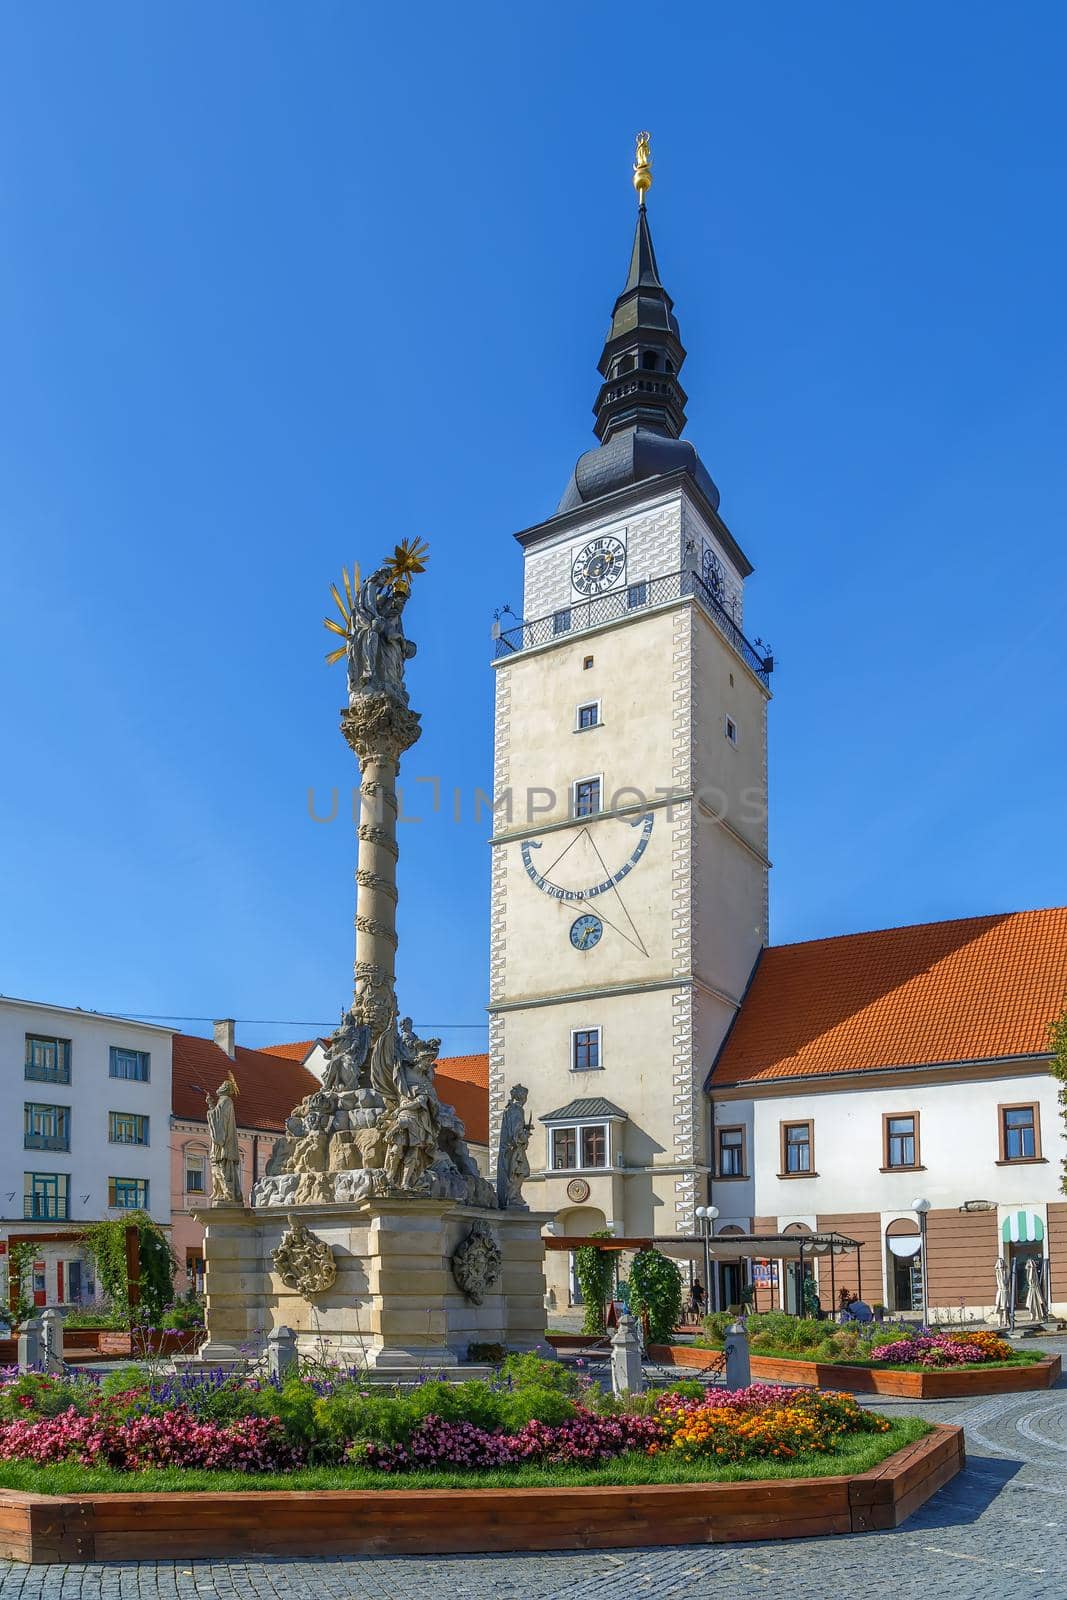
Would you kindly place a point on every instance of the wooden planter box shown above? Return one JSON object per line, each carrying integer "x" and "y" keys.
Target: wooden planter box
{"x": 168, "y": 1527}
{"x": 936, "y": 1384}
{"x": 104, "y": 1344}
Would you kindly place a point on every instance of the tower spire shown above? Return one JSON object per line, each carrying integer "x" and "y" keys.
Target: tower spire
{"x": 640, "y": 409}
{"x": 643, "y": 353}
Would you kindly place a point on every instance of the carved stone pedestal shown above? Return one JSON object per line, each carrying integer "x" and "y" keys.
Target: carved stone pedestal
{"x": 409, "y": 1289}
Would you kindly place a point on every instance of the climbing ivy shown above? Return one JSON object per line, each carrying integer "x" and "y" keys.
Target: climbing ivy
{"x": 1058, "y": 1040}
{"x": 595, "y": 1270}
{"x": 106, "y": 1243}
{"x": 656, "y": 1293}
{"x": 20, "y": 1281}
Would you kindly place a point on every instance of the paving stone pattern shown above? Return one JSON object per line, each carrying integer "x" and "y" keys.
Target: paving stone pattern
{"x": 999, "y": 1529}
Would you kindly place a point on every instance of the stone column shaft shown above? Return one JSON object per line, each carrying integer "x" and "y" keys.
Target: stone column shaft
{"x": 376, "y": 892}
{"x": 379, "y": 727}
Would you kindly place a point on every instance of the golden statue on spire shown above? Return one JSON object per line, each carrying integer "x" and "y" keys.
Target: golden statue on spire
{"x": 643, "y": 167}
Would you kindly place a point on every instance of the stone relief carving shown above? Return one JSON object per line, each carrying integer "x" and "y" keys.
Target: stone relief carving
{"x": 513, "y": 1166}
{"x": 303, "y": 1261}
{"x": 476, "y": 1263}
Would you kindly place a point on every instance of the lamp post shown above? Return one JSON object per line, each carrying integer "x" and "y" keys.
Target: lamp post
{"x": 706, "y": 1216}
{"x": 921, "y": 1207}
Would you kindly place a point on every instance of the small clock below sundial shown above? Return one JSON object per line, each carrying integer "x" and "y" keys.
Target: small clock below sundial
{"x": 586, "y": 931}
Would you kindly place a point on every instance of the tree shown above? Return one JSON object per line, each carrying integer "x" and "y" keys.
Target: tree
{"x": 1058, "y": 1040}
{"x": 106, "y": 1243}
{"x": 656, "y": 1292}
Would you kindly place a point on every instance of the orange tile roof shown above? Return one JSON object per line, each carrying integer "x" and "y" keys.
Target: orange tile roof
{"x": 298, "y": 1051}
{"x": 979, "y": 989}
{"x": 270, "y": 1085}
{"x": 463, "y": 1082}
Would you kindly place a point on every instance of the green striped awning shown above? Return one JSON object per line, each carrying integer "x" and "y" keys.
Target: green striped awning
{"x": 1022, "y": 1227}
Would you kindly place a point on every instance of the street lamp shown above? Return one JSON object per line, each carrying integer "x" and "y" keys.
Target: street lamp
{"x": 706, "y": 1216}
{"x": 921, "y": 1207}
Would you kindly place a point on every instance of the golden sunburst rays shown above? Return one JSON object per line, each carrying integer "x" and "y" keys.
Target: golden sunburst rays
{"x": 408, "y": 557}
{"x": 344, "y": 605}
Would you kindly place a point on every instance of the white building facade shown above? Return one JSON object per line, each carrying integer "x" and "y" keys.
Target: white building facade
{"x": 84, "y": 1135}
{"x": 869, "y": 1072}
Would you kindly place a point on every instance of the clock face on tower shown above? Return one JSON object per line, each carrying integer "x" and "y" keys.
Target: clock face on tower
{"x": 714, "y": 574}
{"x": 600, "y": 566}
{"x": 586, "y": 931}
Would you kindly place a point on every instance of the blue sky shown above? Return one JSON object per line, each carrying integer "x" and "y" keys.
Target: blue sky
{"x": 280, "y": 284}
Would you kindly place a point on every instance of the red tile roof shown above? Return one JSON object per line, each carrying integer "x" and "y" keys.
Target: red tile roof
{"x": 978, "y": 989}
{"x": 463, "y": 1082}
{"x": 270, "y": 1085}
{"x": 291, "y": 1052}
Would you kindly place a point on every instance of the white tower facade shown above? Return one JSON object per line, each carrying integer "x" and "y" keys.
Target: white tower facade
{"x": 629, "y": 881}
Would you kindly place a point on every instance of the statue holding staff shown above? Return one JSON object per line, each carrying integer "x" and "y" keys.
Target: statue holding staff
{"x": 225, "y": 1150}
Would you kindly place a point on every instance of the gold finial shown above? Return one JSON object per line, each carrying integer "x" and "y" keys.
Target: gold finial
{"x": 643, "y": 167}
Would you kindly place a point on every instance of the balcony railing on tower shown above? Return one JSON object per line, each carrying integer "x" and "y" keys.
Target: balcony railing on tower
{"x": 625, "y": 601}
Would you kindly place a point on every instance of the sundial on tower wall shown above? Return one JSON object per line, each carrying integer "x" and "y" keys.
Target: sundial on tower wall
{"x": 589, "y": 871}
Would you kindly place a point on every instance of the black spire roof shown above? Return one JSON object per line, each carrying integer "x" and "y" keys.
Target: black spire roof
{"x": 640, "y": 410}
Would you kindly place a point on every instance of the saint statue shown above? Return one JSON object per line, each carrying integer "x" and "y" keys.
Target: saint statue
{"x": 513, "y": 1167}
{"x": 225, "y": 1150}
{"x": 377, "y": 648}
{"x": 346, "y": 1051}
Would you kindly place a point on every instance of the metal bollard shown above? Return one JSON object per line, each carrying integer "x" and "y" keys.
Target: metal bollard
{"x": 30, "y": 1344}
{"x": 627, "y": 1372}
{"x": 281, "y": 1353}
{"x": 738, "y": 1367}
{"x": 52, "y": 1341}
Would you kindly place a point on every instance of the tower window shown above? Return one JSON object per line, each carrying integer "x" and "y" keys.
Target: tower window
{"x": 586, "y": 802}
{"x": 648, "y": 360}
{"x": 669, "y": 364}
{"x": 588, "y": 716}
{"x": 637, "y": 594}
{"x": 585, "y": 1050}
{"x": 561, "y": 621}
{"x": 731, "y": 730}
{"x": 587, "y": 663}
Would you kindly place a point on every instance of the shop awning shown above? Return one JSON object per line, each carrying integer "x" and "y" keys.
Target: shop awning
{"x": 1022, "y": 1227}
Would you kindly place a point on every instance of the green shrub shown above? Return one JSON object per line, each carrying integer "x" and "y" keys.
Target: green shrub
{"x": 494, "y": 1354}
{"x": 187, "y": 1312}
{"x": 533, "y": 1371}
{"x": 687, "y": 1389}
{"x": 95, "y": 1319}
{"x": 352, "y": 1414}
{"x": 49, "y": 1397}
{"x": 473, "y": 1402}
{"x": 716, "y": 1324}
{"x": 534, "y": 1405}
{"x": 124, "y": 1378}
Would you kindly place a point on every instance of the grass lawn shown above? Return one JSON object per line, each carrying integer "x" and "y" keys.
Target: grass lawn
{"x": 857, "y": 1453}
{"x": 1021, "y": 1358}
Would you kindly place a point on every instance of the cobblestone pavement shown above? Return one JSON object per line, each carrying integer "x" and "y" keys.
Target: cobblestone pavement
{"x": 998, "y": 1529}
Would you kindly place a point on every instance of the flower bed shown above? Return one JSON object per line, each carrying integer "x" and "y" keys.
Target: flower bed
{"x": 913, "y": 1382}
{"x": 93, "y": 1526}
{"x": 535, "y": 1415}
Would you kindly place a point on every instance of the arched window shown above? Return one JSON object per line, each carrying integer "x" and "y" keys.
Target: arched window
{"x": 648, "y": 360}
